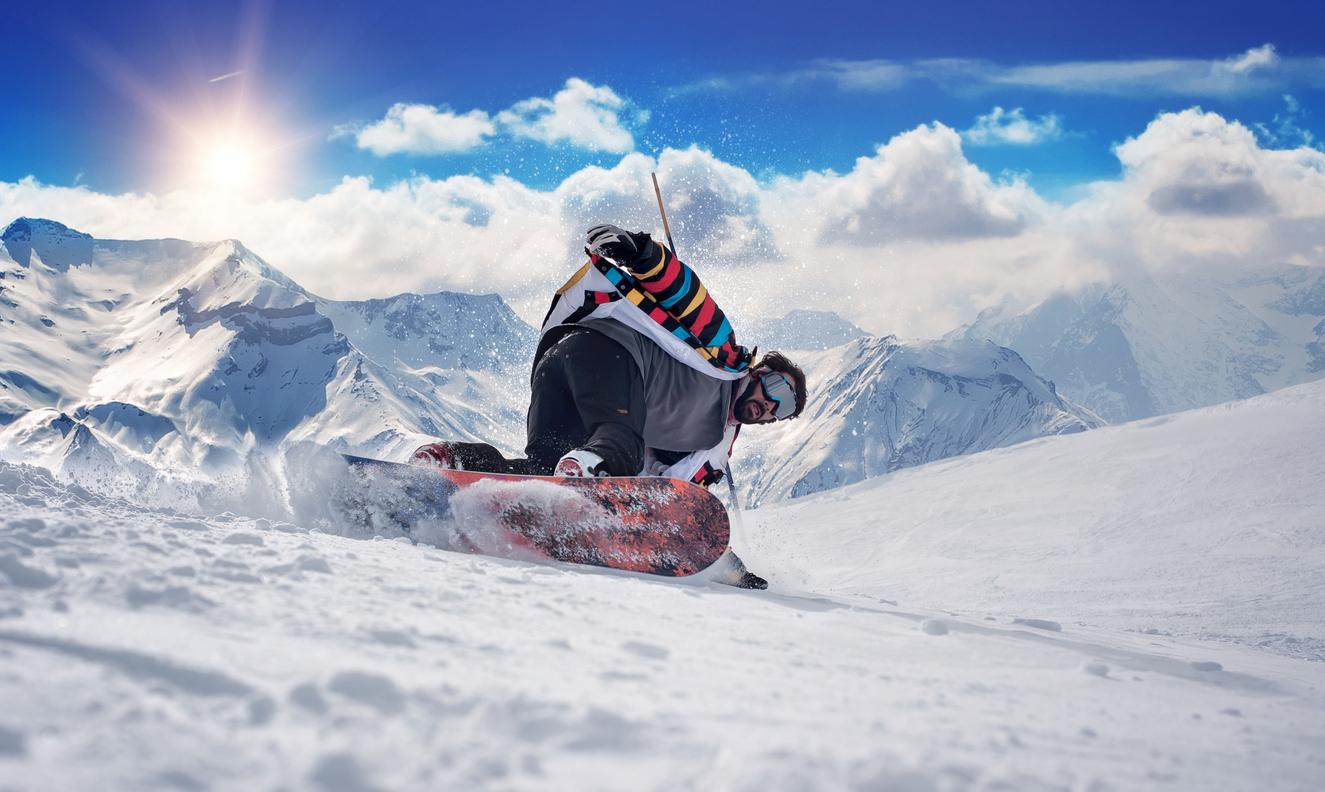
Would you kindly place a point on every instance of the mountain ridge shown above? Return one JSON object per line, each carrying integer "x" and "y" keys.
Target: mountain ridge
{"x": 193, "y": 357}
{"x": 883, "y": 403}
{"x": 217, "y": 355}
{"x": 1148, "y": 345}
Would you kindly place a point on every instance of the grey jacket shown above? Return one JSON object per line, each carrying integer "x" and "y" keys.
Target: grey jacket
{"x": 686, "y": 410}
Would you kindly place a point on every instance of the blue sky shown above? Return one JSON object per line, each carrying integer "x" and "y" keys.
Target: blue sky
{"x": 98, "y": 94}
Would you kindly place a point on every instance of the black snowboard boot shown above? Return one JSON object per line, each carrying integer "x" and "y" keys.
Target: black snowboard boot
{"x": 730, "y": 571}
{"x": 750, "y": 580}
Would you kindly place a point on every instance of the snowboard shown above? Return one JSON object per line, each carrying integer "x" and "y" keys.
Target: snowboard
{"x": 655, "y": 525}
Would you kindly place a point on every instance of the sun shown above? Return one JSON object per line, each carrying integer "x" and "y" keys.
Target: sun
{"x": 236, "y": 160}
{"x": 230, "y": 159}
{"x": 229, "y": 165}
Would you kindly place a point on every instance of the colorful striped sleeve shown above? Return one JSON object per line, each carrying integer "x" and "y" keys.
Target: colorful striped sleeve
{"x": 678, "y": 289}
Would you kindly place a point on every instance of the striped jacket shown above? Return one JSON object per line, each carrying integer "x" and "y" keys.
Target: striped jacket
{"x": 664, "y": 300}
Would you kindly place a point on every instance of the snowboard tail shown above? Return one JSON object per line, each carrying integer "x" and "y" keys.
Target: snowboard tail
{"x": 654, "y": 525}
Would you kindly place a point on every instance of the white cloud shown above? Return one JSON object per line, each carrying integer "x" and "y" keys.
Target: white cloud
{"x": 914, "y": 240}
{"x": 1201, "y": 165}
{"x": 1197, "y": 164}
{"x": 1012, "y": 127}
{"x": 866, "y": 75}
{"x": 846, "y": 75}
{"x": 423, "y": 129}
{"x": 1250, "y": 72}
{"x": 1261, "y": 57}
{"x": 1198, "y": 191}
{"x": 713, "y": 207}
{"x": 918, "y": 186}
{"x": 1257, "y": 70}
{"x": 580, "y": 114}
{"x": 861, "y": 74}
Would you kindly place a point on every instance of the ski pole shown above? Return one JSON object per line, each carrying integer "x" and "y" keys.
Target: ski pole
{"x": 657, "y": 191}
{"x": 739, "y": 519}
{"x": 736, "y": 503}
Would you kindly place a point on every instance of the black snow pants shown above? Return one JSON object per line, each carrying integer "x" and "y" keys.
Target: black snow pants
{"x": 587, "y": 393}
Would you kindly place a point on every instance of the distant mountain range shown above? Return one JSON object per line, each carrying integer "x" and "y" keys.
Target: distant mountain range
{"x": 1148, "y": 345}
{"x": 124, "y": 355}
{"x": 880, "y": 404}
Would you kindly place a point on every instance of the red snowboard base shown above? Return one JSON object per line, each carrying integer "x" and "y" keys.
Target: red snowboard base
{"x": 656, "y": 525}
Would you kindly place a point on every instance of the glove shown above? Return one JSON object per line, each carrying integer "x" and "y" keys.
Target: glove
{"x": 617, "y": 244}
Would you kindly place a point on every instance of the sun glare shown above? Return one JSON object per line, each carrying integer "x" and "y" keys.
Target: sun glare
{"x": 229, "y": 165}
{"x": 231, "y": 159}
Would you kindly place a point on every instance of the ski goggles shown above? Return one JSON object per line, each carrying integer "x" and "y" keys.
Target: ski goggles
{"x": 778, "y": 389}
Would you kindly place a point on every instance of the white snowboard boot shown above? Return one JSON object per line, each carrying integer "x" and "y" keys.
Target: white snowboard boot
{"x": 580, "y": 463}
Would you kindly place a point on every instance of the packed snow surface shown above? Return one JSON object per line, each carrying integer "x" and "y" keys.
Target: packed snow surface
{"x": 1135, "y": 607}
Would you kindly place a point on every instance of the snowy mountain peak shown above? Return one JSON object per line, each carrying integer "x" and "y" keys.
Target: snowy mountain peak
{"x": 177, "y": 355}
{"x": 880, "y": 404}
{"x": 232, "y": 275}
{"x": 476, "y": 332}
{"x": 54, "y": 244}
{"x": 1147, "y": 345}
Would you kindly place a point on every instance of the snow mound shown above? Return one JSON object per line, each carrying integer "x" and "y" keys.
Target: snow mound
{"x": 1205, "y": 524}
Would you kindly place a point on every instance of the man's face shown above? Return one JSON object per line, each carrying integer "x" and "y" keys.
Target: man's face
{"x": 753, "y": 405}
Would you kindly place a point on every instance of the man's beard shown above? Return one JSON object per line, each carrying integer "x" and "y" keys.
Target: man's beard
{"x": 747, "y": 410}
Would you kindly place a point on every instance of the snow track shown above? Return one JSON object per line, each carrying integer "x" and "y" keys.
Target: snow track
{"x": 144, "y": 649}
{"x": 139, "y": 650}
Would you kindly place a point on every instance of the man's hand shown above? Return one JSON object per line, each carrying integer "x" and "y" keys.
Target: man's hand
{"x": 616, "y": 243}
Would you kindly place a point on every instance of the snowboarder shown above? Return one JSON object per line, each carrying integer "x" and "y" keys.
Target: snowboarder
{"x": 638, "y": 374}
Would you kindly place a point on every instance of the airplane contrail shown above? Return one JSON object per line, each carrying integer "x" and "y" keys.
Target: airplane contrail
{"x": 226, "y": 76}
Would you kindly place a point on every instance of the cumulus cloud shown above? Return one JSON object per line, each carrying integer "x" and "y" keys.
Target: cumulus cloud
{"x": 919, "y": 186}
{"x": 1199, "y": 164}
{"x": 583, "y": 115}
{"x": 713, "y": 207}
{"x": 1199, "y": 191}
{"x": 580, "y": 114}
{"x": 356, "y": 240}
{"x": 1012, "y": 127}
{"x": 422, "y": 129}
{"x": 915, "y": 239}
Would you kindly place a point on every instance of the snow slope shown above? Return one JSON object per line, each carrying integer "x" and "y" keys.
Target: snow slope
{"x": 1208, "y": 523}
{"x": 1148, "y": 345}
{"x": 1026, "y": 618}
